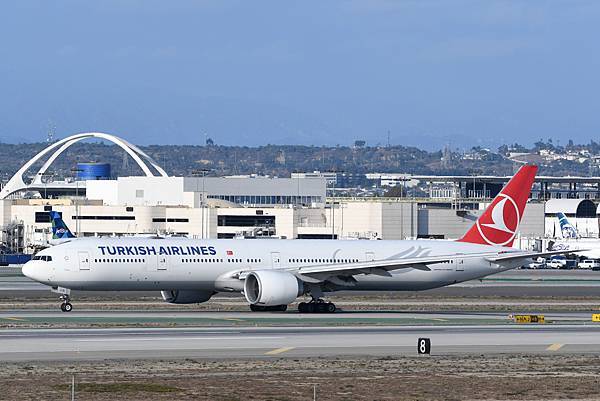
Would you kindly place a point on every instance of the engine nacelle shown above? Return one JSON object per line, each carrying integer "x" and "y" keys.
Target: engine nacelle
{"x": 270, "y": 287}
{"x": 186, "y": 296}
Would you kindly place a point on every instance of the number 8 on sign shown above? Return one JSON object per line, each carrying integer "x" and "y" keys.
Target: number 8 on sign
{"x": 424, "y": 346}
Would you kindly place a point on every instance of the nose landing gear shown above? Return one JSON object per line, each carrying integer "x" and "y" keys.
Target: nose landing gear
{"x": 65, "y": 306}
{"x": 65, "y": 297}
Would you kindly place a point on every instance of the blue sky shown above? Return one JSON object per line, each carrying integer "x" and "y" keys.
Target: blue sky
{"x": 302, "y": 72}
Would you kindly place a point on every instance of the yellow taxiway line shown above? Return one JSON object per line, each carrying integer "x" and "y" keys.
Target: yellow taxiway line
{"x": 279, "y": 351}
{"x": 554, "y": 347}
{"x": 15, "y": 318}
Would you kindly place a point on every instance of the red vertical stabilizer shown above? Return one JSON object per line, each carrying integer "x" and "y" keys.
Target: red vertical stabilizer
{"x": 499, "y": 223}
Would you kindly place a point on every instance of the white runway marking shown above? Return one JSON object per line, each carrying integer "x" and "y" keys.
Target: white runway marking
{"x": 179, "y": 338}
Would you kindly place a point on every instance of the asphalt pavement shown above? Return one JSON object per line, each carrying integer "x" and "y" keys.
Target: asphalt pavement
{"x": 449, "y": 334}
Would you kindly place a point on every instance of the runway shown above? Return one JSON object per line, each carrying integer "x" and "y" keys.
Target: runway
{"x": 228, "y": 342}
{"x": 42, "y": 332}
{"x": 248, "y": 335}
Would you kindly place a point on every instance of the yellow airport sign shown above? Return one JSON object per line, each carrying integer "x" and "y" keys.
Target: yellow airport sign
{"x": 596, "y": 317}
{"x": 525, "y": 319}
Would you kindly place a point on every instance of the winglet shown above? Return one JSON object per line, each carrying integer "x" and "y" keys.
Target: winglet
{"x": 499, "y": 223}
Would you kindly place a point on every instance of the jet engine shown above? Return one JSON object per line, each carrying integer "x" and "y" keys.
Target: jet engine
{"x": 186, "y": 296}
{"x": 270, "y": 288}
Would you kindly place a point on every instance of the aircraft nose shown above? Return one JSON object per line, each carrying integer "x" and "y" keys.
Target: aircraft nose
{"x": 27, "y": 269}
{"x": 32, "y": 270}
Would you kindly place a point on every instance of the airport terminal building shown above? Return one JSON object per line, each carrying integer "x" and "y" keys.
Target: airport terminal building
{"x": 245, "y": 207}
{"x": 254, "y": 206}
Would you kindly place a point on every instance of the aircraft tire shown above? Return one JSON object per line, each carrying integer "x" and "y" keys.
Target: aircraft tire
{"x": 272, "y": 308}
{"x": 66, "y": 307}
{"x": 316, "y": 307}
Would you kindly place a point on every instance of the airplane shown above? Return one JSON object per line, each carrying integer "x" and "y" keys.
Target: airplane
{"x": 584, "y": 248}
{"x": 566, "y": 228}
{"x": 273, "y": 273}
{"x": 60, "y": 231}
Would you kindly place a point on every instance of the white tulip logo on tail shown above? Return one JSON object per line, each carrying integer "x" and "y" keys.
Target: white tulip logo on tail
{"x": 504, "y": 222}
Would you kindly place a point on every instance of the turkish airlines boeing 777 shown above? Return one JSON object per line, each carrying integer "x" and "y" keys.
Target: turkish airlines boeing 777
{"x": 272, "y": 273}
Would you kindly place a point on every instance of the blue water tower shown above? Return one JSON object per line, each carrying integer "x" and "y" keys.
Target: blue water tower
{"x": 93, "y": 171}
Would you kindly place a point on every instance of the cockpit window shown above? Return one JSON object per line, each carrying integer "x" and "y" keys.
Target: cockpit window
{"x": 36, "y": 257}
{"x": 45, "y": 258}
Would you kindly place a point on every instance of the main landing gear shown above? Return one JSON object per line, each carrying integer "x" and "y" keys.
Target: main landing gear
{"x": 66, "y": 305}
{"x": 316, "y": 306}
{"x": 273, "y": 308}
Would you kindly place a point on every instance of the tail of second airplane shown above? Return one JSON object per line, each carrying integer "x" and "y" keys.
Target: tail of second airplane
{"x": 59, "y": 228}
{"x": 566, "y": 228}
{"x": 499, "y": 223}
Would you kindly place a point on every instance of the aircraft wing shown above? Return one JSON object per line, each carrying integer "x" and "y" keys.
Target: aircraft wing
{"x": 383, "y": 267}
{"x": 529, "y": 255}
{"x": 318, "y": 273}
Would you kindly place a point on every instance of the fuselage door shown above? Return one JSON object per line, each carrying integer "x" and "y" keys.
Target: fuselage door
{"x": 459, "y": 264}
{"x": 369, "y": 256}
{"x": 161, "y": 263}
{"x": 275, "y": 260}
{"x": 84, "y": 260}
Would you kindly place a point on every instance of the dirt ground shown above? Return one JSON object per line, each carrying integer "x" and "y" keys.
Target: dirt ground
{"x": 476, "y": 377}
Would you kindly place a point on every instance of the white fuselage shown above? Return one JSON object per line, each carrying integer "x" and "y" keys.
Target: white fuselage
{"x": 140, "y": 264}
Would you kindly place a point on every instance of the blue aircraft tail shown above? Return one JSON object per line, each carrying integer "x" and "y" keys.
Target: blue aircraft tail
{"x": 566, "y": 228}
{"x": 59, "y": 228}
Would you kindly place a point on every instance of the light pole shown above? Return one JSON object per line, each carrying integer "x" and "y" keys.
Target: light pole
{"x": 46, "y": 175}
{"x": 75, "y": 171}
{"x": 336, "y": 172}
{"x": 202, "y": 173}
